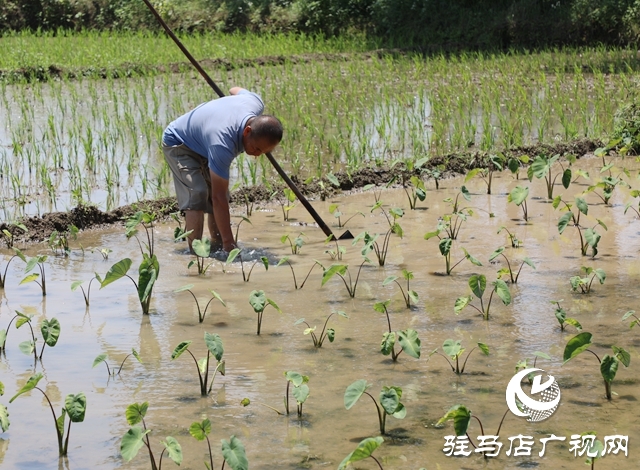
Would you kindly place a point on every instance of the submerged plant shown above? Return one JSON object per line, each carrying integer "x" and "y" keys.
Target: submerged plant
{"x": 444, "y": 245}
{"x": 341, "y": 270}
{"x": 364, "y": 450}
{"x": 259, "y": 301}
{"x": 508, "y": 270}
{"x": 113, "y": 372}
{"x": 411, "y": 295}
{"x": 215, "y": 349}
{"x": 38, "y": 278}
{"x": 371, "y": 243}
{"x": 408, "y": 339}
{"x": 519, "y": 196}
{"x": 562, "y": 318}
{"x": 295, "y": 244}
{"x": 584, "y": 283}
{"x": 201, "y": 312}
{"x": 329, "y": 333}
{"x": 233, "y": 451}
{"x": 591, "y": 237}
{"x": 461, "y": 417}
{"x": 138, "y": 436}
{"x": 541, "y": 168}
{"x": 75, "y": 407}
{"x": 300, "y": 390}
{"x": 338, "y": 252}
{"x": 630, "y": 313}
{"x": 478, "y": 285}
{"x": 247, "y": 275}
{"x": 335, "y": 211}
{"x": 389, "y": 403}
{"x": 147, "y": 276}
{"x": 418, "y": 191}
{"x": 496, "y": 162}
{"x": 287, "y": 203}
{"x": 202, "y": 249}
{"x": 513, "y": 239}
{"x": 293, "y": 273}
{"x": 608, "y": 364}
{"x": 146, "y": 220}
{"x": 453, "y": 349}
{"x": 86, "y": 294}
{"x": 608, "y": 184}
{"x": 59, "y": 241}
{"x": 50, "y": 330}
{"x": 524, "y": 364}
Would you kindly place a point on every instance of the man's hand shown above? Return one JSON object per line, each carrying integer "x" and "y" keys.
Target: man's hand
{"x": 219, "y": 191}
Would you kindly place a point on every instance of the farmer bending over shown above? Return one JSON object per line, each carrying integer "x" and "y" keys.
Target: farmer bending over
{"x": 200, "y": 146}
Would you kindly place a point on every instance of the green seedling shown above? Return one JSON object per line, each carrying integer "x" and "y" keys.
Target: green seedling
{"x": 608, "y": 364}
{"x": 371, "y": 243}
{"x": 202, "y": 249}
{"x": 113, "y": 372}
{"x": 247, "y": 275}
{"x": 518, "y": 196}
{"x": 147, "y": 276}
{"x": 524, "y": 364}
{"x": 287, "y": 203}
{"x": 562, "y": 318}
{"x": 233, "y": 452}
{"x": 104, "y": 252}
{"x": 295, "y": 244}
{"x": 591, "y": 237}
{"x": 451, "y": 223}
{"x": 179, "y": 233}
{"x": 244, "y": 219}
{"x": 608, "y": 184}
{"x": 293, "y": 273}
{"x": 201, "y": 312}
{"x": 478, "y": 285}
{"x": 408, "y": 339}
{"x": 86, "y": 294}
{"x": 3, "y": 275}
{"x": 513, "y": 239}
{"x": 630, "y": 313}
{"x": 389, "y": 401}
{"x": 9, "y": 234}
{"x": 418, "y": 191}
{"x": 59, "y": 241}
{"x": 508, "y": 270}
{"x": 325, "y": 333}
{"x": 300, "y": 390}
{"x": 333, "y": 210}
{"x": 364, "y": 450}
{"x": 584, "y": 283}
{"x": 461, "y": 417}
{"x": 146, "y": 220}
{"x": 38, "y": 278}
{"x": 137, "y": 436}
{"x": 515, "y": 163}
{"x": 338, "y": 252}
{"x": 215, "y": 349}
{"x": 629, "y": 205}
{"x": 75, "y": 407}
{"x": 541, "y": 168}
{"x": 445, "y": 250}
{"x": 595, "y": 450}
{"x": 436, "y": 173}
{"x": 4, "y": 333}
{"x": 496, "y": 162}
{"x": 410, "y": 295}
{"x": 259, "y": 301}
{"x": 453, "y": 349}
{"x": 50, "y": 330}
{"x": 341, "y": 270}
{"x": 392, "y": 216}
{"x": 4, "y": 413}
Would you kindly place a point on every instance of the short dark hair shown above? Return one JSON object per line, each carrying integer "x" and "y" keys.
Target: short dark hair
{"x": 267, "y": 126}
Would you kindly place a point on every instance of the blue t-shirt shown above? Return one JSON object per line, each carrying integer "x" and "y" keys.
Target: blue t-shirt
{"x": 214, "y": 129}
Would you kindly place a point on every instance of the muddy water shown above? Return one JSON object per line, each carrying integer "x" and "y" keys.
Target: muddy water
{"x": 255, "y": 364}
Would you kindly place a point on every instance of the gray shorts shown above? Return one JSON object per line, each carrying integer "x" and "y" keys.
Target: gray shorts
{"x": 191, "y": 178}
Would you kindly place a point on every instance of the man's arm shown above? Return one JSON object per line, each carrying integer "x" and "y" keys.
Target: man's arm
{"x": 219, "y": 191}
{"x": 235, "y": 90}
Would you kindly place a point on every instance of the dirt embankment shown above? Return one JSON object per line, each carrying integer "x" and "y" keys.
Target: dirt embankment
{"x": 88, "y": 217}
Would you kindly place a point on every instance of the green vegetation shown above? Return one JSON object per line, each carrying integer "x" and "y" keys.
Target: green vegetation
{"x": 389, "y": 403}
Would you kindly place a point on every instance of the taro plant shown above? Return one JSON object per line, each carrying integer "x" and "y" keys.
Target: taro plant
{"x": 246, "y": 275}
{"x": 478, "y": 285}
{"x": 287, "y": 202}
{"x": 38, "y": 278}
{"x": 295, "y": 244}
{"x": 233, "y": 451}
{"x": 50, "y": 330}
{"x": 4, "y": 413}
{"x": 410, "y": 295}
{"x": 364, "y": 450}
{"x": 513, "y": 239}
{"x": 584, "y": 283}
{"x": 444, "y": 245}
{"x": 179, "y": 233}
{"x": 300, "y": 390}
{"x": 389, "y": 401}
{"x": 608, "y": 184}
{"x": 371, "y": 243}
{"x": 201, "y": 249}
{"x": 59, "y": 241}
{"x": 563, "y": 319}
{"x": 342, "y": 270}
{"x": 418, "y": 191}
{"x": 629, "y": 205}
{"x": 513, "y": 276}
{"x": 3, "y": 274}
{"x": 138, "y": 436}
{"x": 408, "y": 339}
{"x": 145, "y": 220}
{"x": 215, "y": 349}
{"x": 453, "y": 350}
{"x": 147, "y": 276}
{"x": 608, "y": 364}
{"x": 518, "y": 196}
{"x": 85, "y": 293}
{"x": 335, "y": 212}
{"x": 8, "y": 235}
{"x": 524, "y": 364}
{"x": 436, "y": 173}
{"x": 293, "y": 273}
{"x": 461, "y": 417}
{"x": 326, "y": 333}
{"x": 259, "y": 301}
{"x": 542, "y": 167}
{"x": 591, "y": 237}
{"x": 112, "y": 371}
{"x": 201, "y": 311}
{"x": 75, "y": 407}
{"x": 496, "y": 162}
{"x": 629, "y": 314}
{"x": 451, "y": 223}
{"x": 338, "y": 252}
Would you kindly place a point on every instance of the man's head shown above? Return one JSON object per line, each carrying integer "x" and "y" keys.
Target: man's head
{"x": 261, "y": 135}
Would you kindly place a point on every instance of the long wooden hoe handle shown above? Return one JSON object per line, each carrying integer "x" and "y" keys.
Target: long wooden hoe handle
{"x": 327, "y": 231}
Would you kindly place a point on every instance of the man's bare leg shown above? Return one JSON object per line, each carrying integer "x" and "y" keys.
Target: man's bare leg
{"x": 193, "y": 220}
{"x": 216, "y": 240}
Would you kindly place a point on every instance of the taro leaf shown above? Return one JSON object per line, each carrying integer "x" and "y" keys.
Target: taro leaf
{"x": 465, "y": 193}
{"x": 282, "y": 261}
{"x": 471, "y": 174}
{"x": 451, "y": 348}
{"x": 22, "y": 319}
{"x": 576, "y": 345}
{"x": 573, "y": 322}
{"x": 214, "y": 345}
{"x": 529, "y": 262}
{"x": 381, "y": 307}
{"x": 173, "y": 449}
{"x": 30, "y": 278}
{"x": 30, "y": 385}
{"x": 258, "y": 300}
{"x": 564, "y": 221}
{"x": 234, "y": 454}
{"x": 132, "y": 442}
{"x": 20, "y": 255}
{"x": 576, "y": 281}
{"x": 147, "y": 275}
{"x": 354, "y": 391}
{"x": 184, "y": 288}
{"x": 429, "y": 235}
{"x": 600, "y": 274}
{"x": 556, "y": 202}
{"x": 27, "y": 347}
{"x": 76, "y": 406}
{"x": 201, "y": 248}
{"x": 461, "y": 303}
{"x": 299, "y": 321}
{"x": 518, "y": 195}
{"x": 514, "y": 165}
{"x": 622, "y": 355}
{"x": 608, "y": 368}
{"x": 496, "y": 253}
{"x": 602, "y": 224}
{"x": 4, "y": 418}
{"x": 116, "y": 272}
{"x": 136, "y": 355}
{"x": 561, "y": 315}
{"x": 182, "y": 347}
{"x": 445, "y": 246}
{"x": 301, "y": 393}
{"x": 135, "y": 412}
{"x": 401, "y": 412}
{"x": 477, "y": 284}
{"x": 232, "y": 255}
{"x": 1, "y": 389}
{"x": 471, "y": 258}
{"x": 502, "y": 290}
{"x": 538, "y": 168}
{"x": 542, "y": 355}
{"x": 100, "y": 358}
{"x": 3, "y": 338}
{"x": 274, "y": 305}
{"x": 332, "y": 270}
{"x": 363, "y": 451}
{"x": 388, "y": 341}
{"x": 200, "y": 430}
{"x": 410, "y": 342}
{"x": 217, "y": 296}
{"x": 413, "y": 296}
{"x": 460, "y": 415}
{"x": 31, "y": 264}
{"x": 389, "y": 399}
{"x": 396, "y": 212}
{"x": 75, "y": 285}
{"x": 389, "y": 280}
{"x": 582, "y": 205}
{"x": 592, "y": 237}
{"x": 203, "y": 365}
{"x": 265, "y": 261}
{"x": 60, "y": 421}
{"x": 333, "y": 179}
{"x": 331, "y": 334}
{"x": 295, "y": 378}
{"x": 484, "y": 348}
{"x": 566, "y": 178}
{"x": 50, "y": 331}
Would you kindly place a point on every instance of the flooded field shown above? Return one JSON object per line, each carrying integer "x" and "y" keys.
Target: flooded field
{"x": 255, "y": 365}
